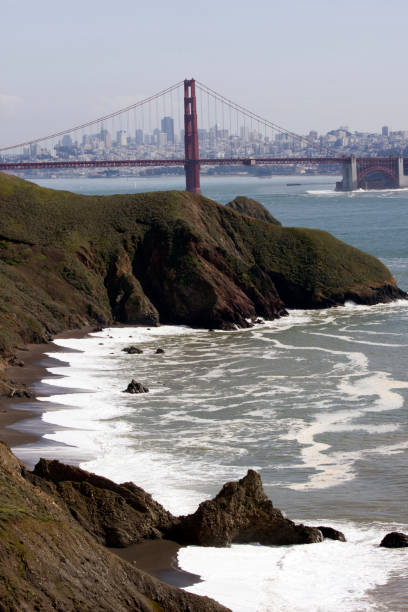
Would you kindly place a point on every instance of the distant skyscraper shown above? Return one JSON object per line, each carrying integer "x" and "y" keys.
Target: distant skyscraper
{"x": 121, "y": 138}
{"x": 66, "y": 141}
{"x": 167, "y": 126}
{"x": 34, "y": 149}
{"x": 139, "y": 137}
{"x": 106, "y": 138}
{"x": 385, "y": 130}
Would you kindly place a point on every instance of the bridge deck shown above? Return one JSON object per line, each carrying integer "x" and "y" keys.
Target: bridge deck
{"x": 110, "y": 163}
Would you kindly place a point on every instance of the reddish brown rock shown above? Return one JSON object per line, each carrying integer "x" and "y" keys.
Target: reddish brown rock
{"x": 241, "y": 513}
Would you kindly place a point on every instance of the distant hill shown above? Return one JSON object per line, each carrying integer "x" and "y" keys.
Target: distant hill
{"x": 174, "y": 257}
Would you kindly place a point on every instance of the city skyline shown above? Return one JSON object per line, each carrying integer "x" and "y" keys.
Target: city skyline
{"x": 305, "y": 67}
{"x": 216, "y": 142}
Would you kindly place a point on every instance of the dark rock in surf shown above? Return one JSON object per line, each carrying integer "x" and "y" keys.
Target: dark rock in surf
{"x": 136, "y": 387}
{"x": 241, "y": 513}
{"x": 132, "y": 350}
{"x": 395, "y": 539}
{"x": 159, "y": 351}
{"x": 332, "y": 534}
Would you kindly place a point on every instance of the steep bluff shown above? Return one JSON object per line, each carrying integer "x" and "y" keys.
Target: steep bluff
{"x": 175, "y": 257}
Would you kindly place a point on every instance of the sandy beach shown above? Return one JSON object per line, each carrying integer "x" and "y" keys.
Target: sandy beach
{"x": 158, "y": 557}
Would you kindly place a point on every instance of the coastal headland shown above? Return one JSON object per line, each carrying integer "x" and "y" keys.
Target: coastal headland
{"x": 79, "y": 262}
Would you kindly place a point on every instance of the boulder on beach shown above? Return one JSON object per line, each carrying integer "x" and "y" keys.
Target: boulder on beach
{"x": 241, "y": 513}
{"x": 395, "y": 539}
{"x": 135, "y": 387}
{"x": 332, "y": 534}
{"x": 132, "y": 350}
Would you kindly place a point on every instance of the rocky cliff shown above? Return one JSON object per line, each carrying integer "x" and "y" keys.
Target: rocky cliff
{"x": 48, "y": 561}
{"x": 175, "y": 257}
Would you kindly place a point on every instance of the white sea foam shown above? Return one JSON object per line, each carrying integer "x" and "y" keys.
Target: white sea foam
{"x": 327, "y": 577}
{"x": 334, "y": 468}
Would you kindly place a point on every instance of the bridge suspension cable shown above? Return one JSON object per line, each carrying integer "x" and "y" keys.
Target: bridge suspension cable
{"x": 258, "y": 119}
{"x": 99, "y": 120}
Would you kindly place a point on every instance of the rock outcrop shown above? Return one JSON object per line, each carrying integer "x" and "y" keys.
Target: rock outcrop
{"x": 116, "y": 515}
{"x": 395, "y": 539}
{"x": 56, "y": 519}
{"x": 48, "y": 561}
{"x": 241, "y": 513}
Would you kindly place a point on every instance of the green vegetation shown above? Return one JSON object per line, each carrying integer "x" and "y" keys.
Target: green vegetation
{"x": 196, "y": 262}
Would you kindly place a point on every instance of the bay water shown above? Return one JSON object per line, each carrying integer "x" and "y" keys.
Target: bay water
{"x": 316, "y": 402}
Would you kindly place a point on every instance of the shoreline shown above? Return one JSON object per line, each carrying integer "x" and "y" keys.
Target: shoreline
{"x": 156, "y": 557}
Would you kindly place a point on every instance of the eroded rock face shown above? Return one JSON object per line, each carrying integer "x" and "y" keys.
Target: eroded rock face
{"x": 395, "y": 539}
{"x": 253, "y": 209}
{"x": 128, "y": 300}
{"x": 116, "y": 515}
{"x": 241, "y": 513}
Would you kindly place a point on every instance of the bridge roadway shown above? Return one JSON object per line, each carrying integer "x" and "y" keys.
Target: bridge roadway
{"x": 117, "y": 163}
{"x": 358, "y": 173}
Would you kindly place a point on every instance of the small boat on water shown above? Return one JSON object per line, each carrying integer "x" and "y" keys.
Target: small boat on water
{"x": 293, "y": 184}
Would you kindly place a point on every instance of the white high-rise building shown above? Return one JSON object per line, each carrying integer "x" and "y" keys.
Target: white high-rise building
{"x": 121, "y": 138}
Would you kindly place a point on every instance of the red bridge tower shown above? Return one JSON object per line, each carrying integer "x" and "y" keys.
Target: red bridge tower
{"x": 192, "y": 156}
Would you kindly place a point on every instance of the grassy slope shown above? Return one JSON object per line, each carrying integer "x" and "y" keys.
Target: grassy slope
{"x": 189, "y": 253}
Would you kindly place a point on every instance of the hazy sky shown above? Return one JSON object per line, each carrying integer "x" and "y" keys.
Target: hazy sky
{"x": 303, "y": 64}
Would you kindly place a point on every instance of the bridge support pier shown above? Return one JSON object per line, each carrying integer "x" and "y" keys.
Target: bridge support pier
{"x": 349, "y": 182}
{"x": 192, "y": 157}
{"x": 402, "y": 178}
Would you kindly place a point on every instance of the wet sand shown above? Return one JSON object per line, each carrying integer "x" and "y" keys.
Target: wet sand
{"x": 36, "y": 361}
{"x": 156, "y": 557}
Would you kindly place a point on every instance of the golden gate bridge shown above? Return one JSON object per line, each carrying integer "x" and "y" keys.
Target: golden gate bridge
{"x": 228, "y": 142}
